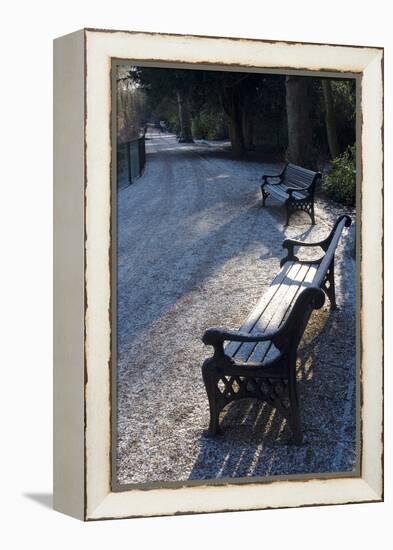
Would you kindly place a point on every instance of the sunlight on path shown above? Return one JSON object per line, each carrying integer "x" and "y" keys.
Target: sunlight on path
{"x": 195, "y": 250}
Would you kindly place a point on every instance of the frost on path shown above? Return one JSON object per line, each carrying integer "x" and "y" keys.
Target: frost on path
{"x": 195, "y": 250}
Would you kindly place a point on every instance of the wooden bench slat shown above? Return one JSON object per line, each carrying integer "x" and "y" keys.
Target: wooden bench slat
{"x": 265, "y": 350}
{"x": 299, "y": 174}
{"x": 287, "y": 269}
{"x": 296, "y": 182}
{"x": 284, "y": 187}
{"x": 300, "y": 169}
{"x": 280, "y": 190}
{"x": 282, "y": 299}
{"x": 275, "y": 315}
{"x": 297, "y": 186}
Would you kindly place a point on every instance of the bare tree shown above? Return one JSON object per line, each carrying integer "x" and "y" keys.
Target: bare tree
{"x": 130, "y": 107}
{"x": 185, "y": 121}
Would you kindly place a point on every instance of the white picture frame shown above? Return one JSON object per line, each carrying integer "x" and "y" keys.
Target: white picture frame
{"x": 82, "y": 333}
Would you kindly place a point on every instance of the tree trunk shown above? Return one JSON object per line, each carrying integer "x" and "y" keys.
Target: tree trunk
{"x": 248, "y": 128}
{"x": 299, "y": 121}
{"x": 184, "y": 118}
{"x": 231, "y": 103}
{"x": 247, "y": 116}
{"x": 330, "y": 119}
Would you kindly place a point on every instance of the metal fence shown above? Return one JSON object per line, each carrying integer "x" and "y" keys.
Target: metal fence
{"x": 135, "y": 156}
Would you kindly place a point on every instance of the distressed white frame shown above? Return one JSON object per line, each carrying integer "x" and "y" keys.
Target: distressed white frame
{"x": 96, "y": 500}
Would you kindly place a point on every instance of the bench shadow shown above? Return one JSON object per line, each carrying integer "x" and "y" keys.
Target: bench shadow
{"x": 246, "y": 426}
{"x": 255, "y": 439}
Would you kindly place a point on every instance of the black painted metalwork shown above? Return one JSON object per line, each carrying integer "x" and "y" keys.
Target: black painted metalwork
{"x": 295, "y": 187}
{"x": 273, "y": 378}
{"x": 136, "y": 158}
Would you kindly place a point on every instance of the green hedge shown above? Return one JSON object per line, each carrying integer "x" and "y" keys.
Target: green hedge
{"x": 340, "y": 183}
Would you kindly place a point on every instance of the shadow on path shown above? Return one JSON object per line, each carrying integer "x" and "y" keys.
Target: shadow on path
{"x": 255, "y": 440}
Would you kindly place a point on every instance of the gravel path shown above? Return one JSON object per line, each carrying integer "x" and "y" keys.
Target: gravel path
{"x": 195, "y": 250}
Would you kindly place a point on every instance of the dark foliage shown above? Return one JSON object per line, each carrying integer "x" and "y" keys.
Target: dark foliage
{"x": 340, "y": 183}
{"x": 248, "y": 108}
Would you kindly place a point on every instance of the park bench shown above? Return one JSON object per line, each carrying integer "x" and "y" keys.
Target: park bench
{"x": 259, "y": 360}
{"x": 295, "y": 187}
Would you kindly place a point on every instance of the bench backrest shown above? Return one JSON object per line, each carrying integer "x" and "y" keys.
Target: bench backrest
{"x": 313, "y": 296}
{"x": 329, "y": 254}
{"x": 297, "y": 176}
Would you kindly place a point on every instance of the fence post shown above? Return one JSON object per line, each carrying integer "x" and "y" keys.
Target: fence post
{"x": 142, "y": 154}
{"x": 136, "y": 157}
{"x": 128, "y": 148}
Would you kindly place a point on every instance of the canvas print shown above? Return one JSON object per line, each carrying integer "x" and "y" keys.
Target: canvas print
{"x": 235, "y": 274}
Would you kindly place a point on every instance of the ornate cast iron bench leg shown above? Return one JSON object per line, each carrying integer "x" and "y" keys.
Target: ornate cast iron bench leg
{"x": 305, "y": 205}
{"x": 265, "y": 195}
{"x": 312, "y": 214}
{"x": 210, "y": 380}
{"x": 289, "y": 210}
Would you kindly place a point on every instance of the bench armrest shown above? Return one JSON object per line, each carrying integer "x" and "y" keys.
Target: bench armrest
{"x": 290, "y": 244}
{"x": 276, "y": 176}
{"x": 281, "y": 337}
{"x": 217, "y": 336}
{"x": 279, "y": 175}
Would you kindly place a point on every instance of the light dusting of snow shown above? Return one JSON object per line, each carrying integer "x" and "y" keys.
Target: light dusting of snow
{"x": 195, "y": 249}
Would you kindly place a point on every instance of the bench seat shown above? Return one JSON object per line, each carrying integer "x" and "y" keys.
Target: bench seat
{"x": 271, "y": 311}
{"x": 280, "y": 191}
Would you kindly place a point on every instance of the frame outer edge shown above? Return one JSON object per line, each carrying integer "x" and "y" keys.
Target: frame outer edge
{"x": 102, "y": 503}
{"x": 372, "y": 275}
{"x": 69, "y": 277}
